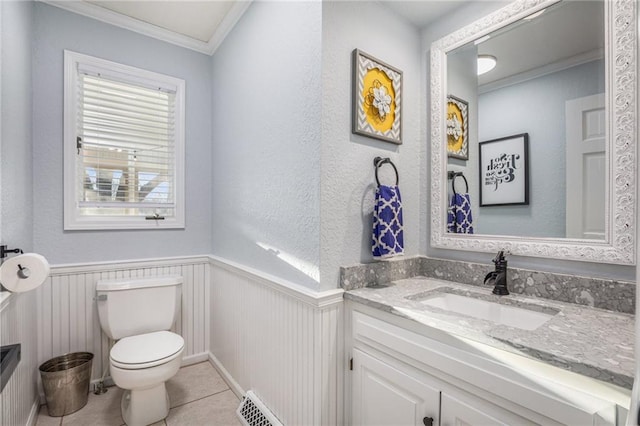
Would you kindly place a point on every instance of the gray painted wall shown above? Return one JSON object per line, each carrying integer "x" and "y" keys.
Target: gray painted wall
{"x": 348, "y": 180}
{"x": 17, "y": 167}
{"x": 266, "y": 123}
{"x": 17, "y": 322}
{"x": 451, "y": 22}
{"x": 536, "y": 107}
{"x": 257, "y": 193}
{"x": 56, "y": 30}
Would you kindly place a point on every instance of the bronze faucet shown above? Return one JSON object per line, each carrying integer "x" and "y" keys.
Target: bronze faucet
{"x": 498, "y": 278}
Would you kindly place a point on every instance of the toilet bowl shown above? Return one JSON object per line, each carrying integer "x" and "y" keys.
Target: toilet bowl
{"x": 141, "y": 365}
{"x": 138, "y": 313}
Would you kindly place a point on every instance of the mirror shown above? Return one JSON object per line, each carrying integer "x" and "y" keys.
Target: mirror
{"x": 540, "y": 87}
{"x": 547, "y": 171}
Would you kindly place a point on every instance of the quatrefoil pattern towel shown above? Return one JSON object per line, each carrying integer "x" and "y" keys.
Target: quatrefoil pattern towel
{"x": 459, "y": 220}
{"x": 388, "y": 239}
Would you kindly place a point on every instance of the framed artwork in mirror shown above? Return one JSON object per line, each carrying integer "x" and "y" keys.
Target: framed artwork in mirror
{"x": 457, "y": 128}
{"x": 504, "y": 174}
{"x": 377, "y": 98}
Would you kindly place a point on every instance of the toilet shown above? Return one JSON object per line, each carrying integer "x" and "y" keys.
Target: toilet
{"x": 138, "y": 313}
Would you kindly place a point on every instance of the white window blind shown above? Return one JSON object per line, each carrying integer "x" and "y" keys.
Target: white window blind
{"x": 125, "y": 146}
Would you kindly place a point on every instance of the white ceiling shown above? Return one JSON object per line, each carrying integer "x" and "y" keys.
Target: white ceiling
{"x": 199, "y": 25}
{"x": 566, "y": 34}
{"x": 195, "y": 19}
{"x": 423, "y": 13}
{"x": 202, "y": 25}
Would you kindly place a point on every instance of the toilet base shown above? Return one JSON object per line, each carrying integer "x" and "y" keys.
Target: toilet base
{"x": 151, "y": 405}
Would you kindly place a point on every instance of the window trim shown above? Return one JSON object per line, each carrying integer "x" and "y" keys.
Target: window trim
{"x": 72, "y": 218}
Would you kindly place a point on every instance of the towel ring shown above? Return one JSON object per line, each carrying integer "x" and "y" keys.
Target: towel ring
{"x": 379, "y": 161}
{"x": 453, "y": 176}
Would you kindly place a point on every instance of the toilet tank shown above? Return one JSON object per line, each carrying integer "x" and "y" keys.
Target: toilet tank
{"x": 128, "y": 307}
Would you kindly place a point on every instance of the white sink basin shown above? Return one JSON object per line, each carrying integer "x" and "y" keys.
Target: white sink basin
{"x": 512, "y": 316}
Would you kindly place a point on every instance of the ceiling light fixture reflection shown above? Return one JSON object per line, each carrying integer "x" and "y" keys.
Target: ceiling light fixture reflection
{"x": 486, "y": 63}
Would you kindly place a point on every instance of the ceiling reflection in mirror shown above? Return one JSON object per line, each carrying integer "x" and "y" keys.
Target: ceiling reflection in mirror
{"x": 548, "y": 83}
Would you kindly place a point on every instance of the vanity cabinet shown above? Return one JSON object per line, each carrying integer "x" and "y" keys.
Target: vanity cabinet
{"x": 464, "y": 409}
{"x": 405, "y": 373}
{"x": 385, "y": 395}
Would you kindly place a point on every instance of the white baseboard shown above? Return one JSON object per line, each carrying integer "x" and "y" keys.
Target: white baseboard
{"x": 33, "y": 414}
{"x": 194, "y": 359}
{"x": 233, "y": 385}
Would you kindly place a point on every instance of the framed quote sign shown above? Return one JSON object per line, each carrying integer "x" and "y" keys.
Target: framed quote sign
{"x": 504, "y": 171}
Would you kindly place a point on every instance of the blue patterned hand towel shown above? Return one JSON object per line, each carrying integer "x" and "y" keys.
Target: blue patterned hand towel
{"x": 388, "y": 239}
{"x": 459, "y": 220}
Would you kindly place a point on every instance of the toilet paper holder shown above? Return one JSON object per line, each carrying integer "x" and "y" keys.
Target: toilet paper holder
{"x": 4, "y": 251}
{"x": 22, "y": 271}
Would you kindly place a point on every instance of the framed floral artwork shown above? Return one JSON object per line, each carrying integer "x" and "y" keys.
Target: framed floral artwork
{"x": 377, "y": 98}
{"x": 457, "y": 125}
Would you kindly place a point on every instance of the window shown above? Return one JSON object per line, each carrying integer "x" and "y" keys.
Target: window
{"x": 124, "y": 146}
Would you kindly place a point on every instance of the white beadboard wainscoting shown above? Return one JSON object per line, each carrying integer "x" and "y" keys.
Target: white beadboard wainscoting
{"x": 68, "y": 318}
{"x": 280, "y": 340}
{"x": 19, "y": 399}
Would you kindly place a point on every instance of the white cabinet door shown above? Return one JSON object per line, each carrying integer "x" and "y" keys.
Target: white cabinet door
{"x": 465, "y": 410}
{"x": 383, "y": 395}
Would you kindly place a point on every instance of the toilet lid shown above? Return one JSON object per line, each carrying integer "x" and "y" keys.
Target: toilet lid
{"x": 146, "y": 350}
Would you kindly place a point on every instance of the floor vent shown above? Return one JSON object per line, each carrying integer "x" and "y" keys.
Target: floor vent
{"x": 253, "y": 412}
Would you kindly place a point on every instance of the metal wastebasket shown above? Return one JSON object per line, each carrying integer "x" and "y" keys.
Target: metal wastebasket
{"x": 65, "y": 380}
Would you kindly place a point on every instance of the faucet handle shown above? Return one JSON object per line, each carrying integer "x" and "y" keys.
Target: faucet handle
{"x": 500, "y": 257}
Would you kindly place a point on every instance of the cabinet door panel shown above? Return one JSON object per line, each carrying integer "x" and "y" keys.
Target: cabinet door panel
{"x": 465, "y": 410}
{"x": 383, "y": 395}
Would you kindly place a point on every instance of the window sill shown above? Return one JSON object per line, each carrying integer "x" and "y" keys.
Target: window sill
{"x": 111, "y": 223}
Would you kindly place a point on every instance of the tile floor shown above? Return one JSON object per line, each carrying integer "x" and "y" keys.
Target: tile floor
{"x": 198, "y": 397}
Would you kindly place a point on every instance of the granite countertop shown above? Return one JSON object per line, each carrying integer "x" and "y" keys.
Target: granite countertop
{"x": 589, "y": 341}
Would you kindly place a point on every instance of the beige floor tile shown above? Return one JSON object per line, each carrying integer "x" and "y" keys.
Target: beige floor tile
{"x": 45, "y": 420}
{"x": 101, "y": 410}
{"x": 215, "y": 410}
{"x": 199, "y": 382}
{"x": 194, "y": 382}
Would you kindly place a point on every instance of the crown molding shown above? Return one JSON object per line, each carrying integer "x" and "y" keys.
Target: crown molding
{"x": 227, "y": 24}
{"x": 119, "y": 20}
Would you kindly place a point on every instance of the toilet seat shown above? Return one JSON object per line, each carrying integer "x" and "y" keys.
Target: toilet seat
{"x": 146, "y": 350}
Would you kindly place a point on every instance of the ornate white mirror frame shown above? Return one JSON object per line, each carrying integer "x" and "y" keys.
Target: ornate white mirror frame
{"x": 619, "y": 246}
